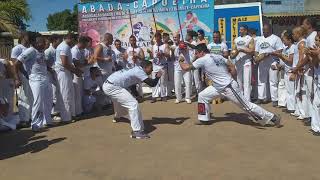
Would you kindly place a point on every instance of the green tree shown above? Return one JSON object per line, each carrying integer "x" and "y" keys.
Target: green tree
{"x": 13, "y": 15}
{"x": 64, "y": 20}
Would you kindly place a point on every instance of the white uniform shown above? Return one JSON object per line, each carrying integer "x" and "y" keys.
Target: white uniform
{"x": 78, "y": 55}
{"x": 265, "y": 73}
{"x": 124, "y": 103}
{"x": 315, "y": 115}
{"x": 196, "y": 73}
{"x": 215, "y": 67}
{"x": 243, "y": 65}
{"x": 303, "y": 106}
{"x": 121, "y": 64}
{"x": 289, "y": 97}
{"x": 130, "y": 64}
{"x": 88, "y": 52}
{"x": 36, "y": 68}
{"x": 218, "y": 48}
{"x": 50, "y": 56}
{"x": 171, "y": 66}
{"x": 65, "y": 78}
{"x": 106, "y": 66}
{"x": 161, "y": 90}
{"x": 180, "y": 75}
{"x": 25, "y": 99}
{"x": 95, "y": 95}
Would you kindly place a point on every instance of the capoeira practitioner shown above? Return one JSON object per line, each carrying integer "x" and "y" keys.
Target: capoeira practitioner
{"x": 181, "y": 53}
{"x": 217, "y": 46}
{"x": 92, "y": 90}
{"x": 220, "y": 71}
{"x": 25, "y": 99}
{"x": 314, "y": 55}
{"x": 160, "y": 54}
{"x": 196, "y": 73}
{"x": 34, "y": 61}
{"x": 120, "y": 52}
{"x": 267, "y": 71}
{"x": 65, "y": 71}
{"x": 286, "y": 58}
{"x": 124, "y": 103}
{"x": 243, "y": 52}
{"x": 7, "y": 77}
{"x": 80, "y": 62}
{"x": 170, "y": 61}
{"x": 50, "y": 57}
{"x": 105, "y": 58}
{"x": 300, "y": 68}
{"x": 134, "y": 56}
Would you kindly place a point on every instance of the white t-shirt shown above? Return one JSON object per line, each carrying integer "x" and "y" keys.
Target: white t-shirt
{"x": 287, "y": 51}
{"x": 78, "y": 55}
{"x": 17, "y": 50}
{"x": 128, "y": 77}
{"x": 50, "y": 56}
{"x": 92, "y": 85}
{"x": 219, "y": 48}
{"x": 130, "y": 63}
{"x": 215, "y": 67}
{"x": 119, "y": 57}
{"x": 62, "y": 50}
{"x": 296, "y": 53}
{"x": 242, "y": 43}
{"x": 35, "y": 64}
{"x": 311, "y": 39}
{"x": 177, "y": 54}
{"x": 88, "y": 52}
{"x": 268, "y": 45}
{"x": 106, "y": 66}
{"x": 158, "y": 63}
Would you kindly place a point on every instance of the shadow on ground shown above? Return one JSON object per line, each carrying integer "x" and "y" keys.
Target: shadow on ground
{"x": 24, "y": 141}
{"x": 241, "y": 118}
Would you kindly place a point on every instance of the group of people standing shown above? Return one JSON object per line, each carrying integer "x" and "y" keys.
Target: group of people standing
{"x": 61, "y": 79}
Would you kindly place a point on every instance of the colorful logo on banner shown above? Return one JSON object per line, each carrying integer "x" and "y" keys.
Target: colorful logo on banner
{"x": 142, "y": 18}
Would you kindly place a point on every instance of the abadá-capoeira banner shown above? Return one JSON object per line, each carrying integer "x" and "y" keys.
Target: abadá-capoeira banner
{"x": 122, "y": 18}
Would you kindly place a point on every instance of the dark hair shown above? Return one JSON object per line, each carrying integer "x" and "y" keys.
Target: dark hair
{"x": 200, "y": 31}
{"x": 192, "y": 33}
{"x": 89, "y": 39}
{"x": 244, "y": 26}
{"x": 132, "y": 36}
{"x": 189, "y": 12}
{"x": 117, "y": 40}
{"x": 158, "y": 34}
{"x": 216, "y": 32}
{"x": 252, "y": 31}
{"x": 69, "y": 36}
{"x": 34, "y": 38}
{"x": 311, "y": 21}
{"x": 145, "y": 64}
{"x": 53, "y": 38}
{"x": 83, "y": 40}
{"x": 268, "y": 25}
{"x": 288, "y": 35}
{"x": 93, "y": 69}
{"x": 165, "y": 34}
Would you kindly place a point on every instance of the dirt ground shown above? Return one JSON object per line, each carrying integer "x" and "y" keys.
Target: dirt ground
{"x": 97, "y": 149}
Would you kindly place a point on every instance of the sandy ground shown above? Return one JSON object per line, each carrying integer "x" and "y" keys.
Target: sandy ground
{"x": 231, "y": 148}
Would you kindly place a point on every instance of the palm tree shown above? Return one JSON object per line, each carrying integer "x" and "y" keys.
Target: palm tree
{"x": 12, "y": 15}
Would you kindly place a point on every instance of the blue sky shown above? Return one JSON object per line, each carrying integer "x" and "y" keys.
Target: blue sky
{"x": 40, "y": 9}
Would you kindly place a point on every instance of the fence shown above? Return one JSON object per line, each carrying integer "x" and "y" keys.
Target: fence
{"x": 5, "y": 51}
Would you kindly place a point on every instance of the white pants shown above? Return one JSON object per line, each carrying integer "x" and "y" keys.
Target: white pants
{"x": 267, "y": 75}
{"x": 171, "y": 80}
{"x": 211, "y": 93}
{"x": 25, "y": 99}
{"x": 254, "y": 74}
{"x": 315, "y": 115}
{"x": 244, "y": 78}
{"x": 197, "y": 80}
{"x": 78, "y": 93}
{"x": 67, "y": 93}
{"x": 303, "y": 105}
{"x": 161, "y": 89}
{"x": 124, "y": 103}
{"x": 7, "y": 91}
{"x": 290, "y": 96}
{"x": 40, "y": 113}
{"x": 180, "y": 75}
{"x": 56, "y": 96}
{"x": 282, "y": 92}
